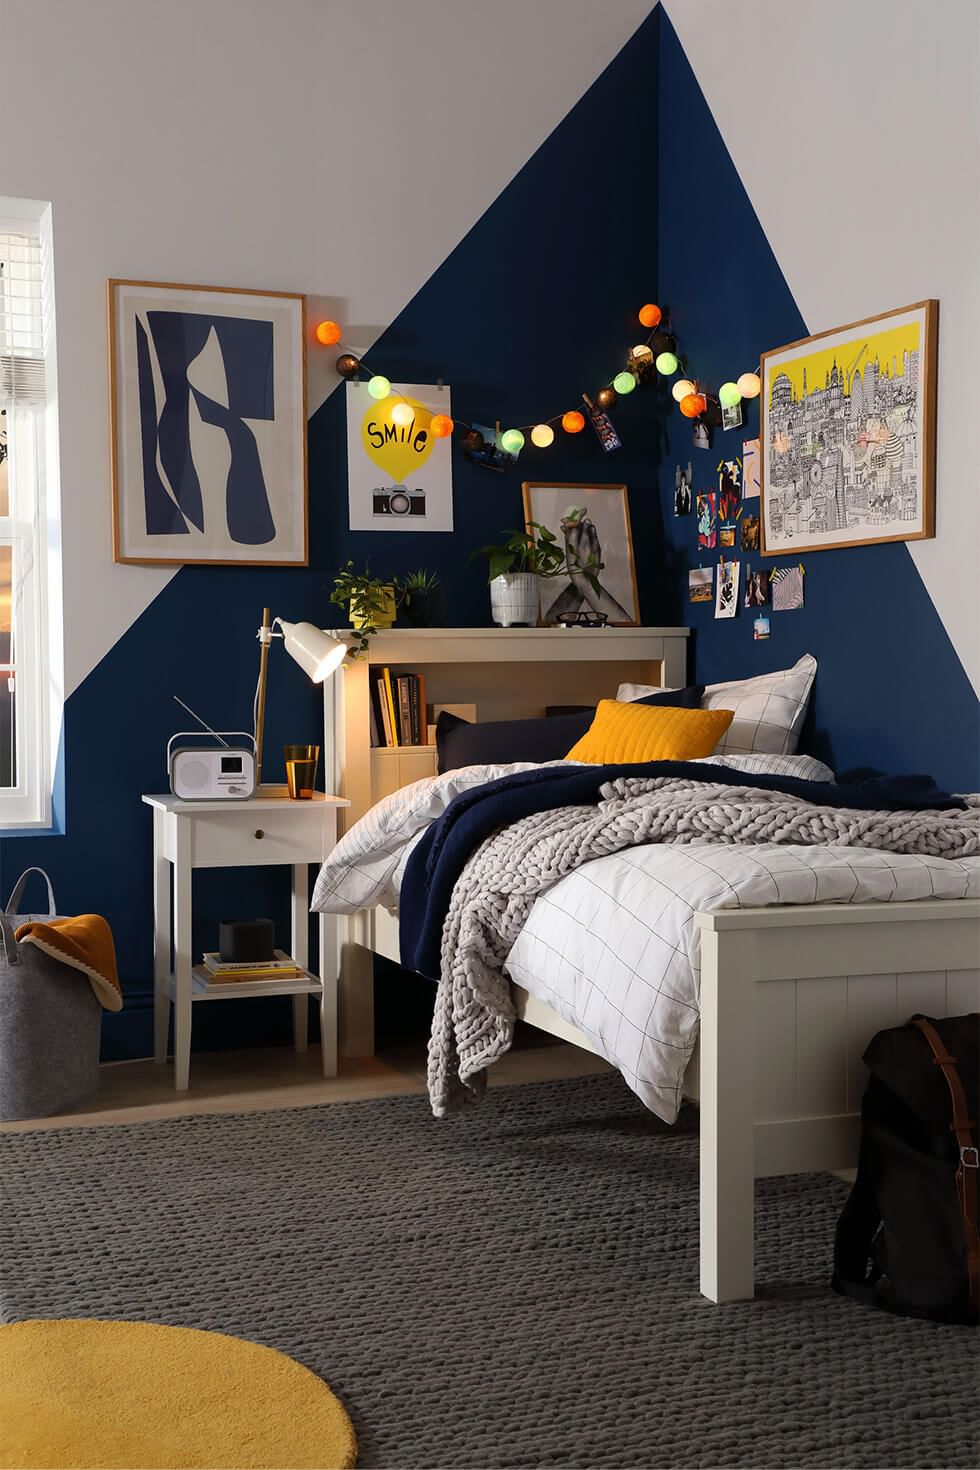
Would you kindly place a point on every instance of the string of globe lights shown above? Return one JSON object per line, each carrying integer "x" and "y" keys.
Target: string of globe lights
{"x": 656, "y": 357}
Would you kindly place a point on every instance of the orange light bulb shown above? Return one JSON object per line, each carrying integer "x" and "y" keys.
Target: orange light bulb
{"x": 573, "y": 422}
{"x": 328, "y": 333}
{"x": 693, "y": 405}
{"x": 441, "y": 425}
{"x": 650, "y": 315}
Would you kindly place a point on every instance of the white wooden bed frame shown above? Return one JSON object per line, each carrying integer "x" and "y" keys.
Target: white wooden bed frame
{"x": 790, "y": 995}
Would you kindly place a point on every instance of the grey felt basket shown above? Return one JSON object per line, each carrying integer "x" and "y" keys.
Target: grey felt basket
{"x": 50, "y": 1023}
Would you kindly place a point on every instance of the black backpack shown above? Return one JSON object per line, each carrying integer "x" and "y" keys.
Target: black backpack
{"x": 907, "y": 1238}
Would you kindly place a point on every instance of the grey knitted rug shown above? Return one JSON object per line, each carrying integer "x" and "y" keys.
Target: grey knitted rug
{"x": 515, "y": 1286}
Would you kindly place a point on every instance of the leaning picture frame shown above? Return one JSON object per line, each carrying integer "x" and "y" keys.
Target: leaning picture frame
{"x": 207, "y": 404}
{"x": 592, "y": 526}
{"x": 848, "y": 435}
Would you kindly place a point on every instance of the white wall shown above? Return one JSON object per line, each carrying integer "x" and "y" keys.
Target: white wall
{"x": 332, "y": 147}
{"x": 855, "y": 128}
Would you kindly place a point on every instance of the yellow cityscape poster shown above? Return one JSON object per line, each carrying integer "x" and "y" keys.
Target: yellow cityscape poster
{"x": 848, "y": 435}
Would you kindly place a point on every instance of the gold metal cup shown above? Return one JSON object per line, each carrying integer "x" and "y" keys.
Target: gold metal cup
{"x": 301, "y": 766}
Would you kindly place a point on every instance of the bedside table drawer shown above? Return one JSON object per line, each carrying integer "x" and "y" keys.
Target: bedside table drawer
{"x": 251, "y": 839}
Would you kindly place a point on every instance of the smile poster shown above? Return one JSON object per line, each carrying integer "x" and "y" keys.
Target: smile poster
{"x": 399, "y": 474}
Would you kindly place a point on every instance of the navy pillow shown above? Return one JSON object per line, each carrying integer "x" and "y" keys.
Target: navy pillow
{"x": 461, "y": 744}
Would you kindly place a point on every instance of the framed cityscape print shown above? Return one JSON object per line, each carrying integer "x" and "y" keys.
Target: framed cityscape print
{"x": 592, "y": 527}
{"x": 208, "y": 425}
{"x": 848, "y": 435}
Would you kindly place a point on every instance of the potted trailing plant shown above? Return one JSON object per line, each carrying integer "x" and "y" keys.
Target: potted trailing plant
{"x": 516, "y": 569}
{"x": 421, "y": 602}
{"x": 370, "y": 602}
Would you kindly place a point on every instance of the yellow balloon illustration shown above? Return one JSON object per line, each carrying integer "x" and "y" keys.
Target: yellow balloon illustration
{"x": 399, "y": 450}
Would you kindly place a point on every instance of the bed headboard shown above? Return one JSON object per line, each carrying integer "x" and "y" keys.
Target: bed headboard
{"x": 508, "y": 673}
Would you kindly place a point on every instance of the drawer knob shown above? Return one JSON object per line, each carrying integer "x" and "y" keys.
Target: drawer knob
{"x": 259, "y": 833}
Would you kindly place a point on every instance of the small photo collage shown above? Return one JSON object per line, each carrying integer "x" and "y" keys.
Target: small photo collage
{"x": 727, "y": 521}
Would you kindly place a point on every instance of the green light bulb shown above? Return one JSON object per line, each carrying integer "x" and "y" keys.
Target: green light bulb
{"x": 624, "y": 383}
{"x": 667, "y": 363}
{"x": 728, "y": 395}
{"x": 512, "y": 441}
{"x": 379, "y": 386}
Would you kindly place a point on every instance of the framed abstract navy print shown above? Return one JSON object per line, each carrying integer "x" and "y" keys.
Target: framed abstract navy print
{"x": 208, "y": 420}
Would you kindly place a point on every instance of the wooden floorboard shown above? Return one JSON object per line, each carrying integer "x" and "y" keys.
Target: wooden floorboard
{"x": 277, "y": 1077}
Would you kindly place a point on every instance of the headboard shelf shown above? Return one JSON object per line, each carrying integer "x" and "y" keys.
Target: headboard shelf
{"x": 508, "y": 673}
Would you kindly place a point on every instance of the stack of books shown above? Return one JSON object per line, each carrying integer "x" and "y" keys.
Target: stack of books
{"x": 224, "y": 972}
{"x": 397, "y": 708}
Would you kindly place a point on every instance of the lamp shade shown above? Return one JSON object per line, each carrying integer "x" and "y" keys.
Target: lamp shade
{"x": 319, "y": 654}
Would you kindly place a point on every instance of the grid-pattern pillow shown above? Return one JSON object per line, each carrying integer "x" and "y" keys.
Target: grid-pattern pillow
{"x": 768, "y": 710}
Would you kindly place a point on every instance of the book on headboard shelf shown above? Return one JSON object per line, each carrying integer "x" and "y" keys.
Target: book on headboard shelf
{"x": 398, "y": 709}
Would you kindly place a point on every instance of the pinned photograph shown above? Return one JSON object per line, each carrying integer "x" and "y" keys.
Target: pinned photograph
{"x": 726, "y": 536}
{"x": 726, "y": 589}
{"x": 707, "y": 522}
{"x": 731, "y": 418}
{"x": 751, "y": 469}
{"x": 683, "y": 483}
{"x": 701, "y": 437}
{"x": 760, "y": 628}
{"x": 603, "y": 426}
{"x": 756, "y": 588}
{"x": 749, "y": 532}
{"x": 492, "y": 455}
{"x": 700, "y": 584}
{"x": 787, "y": 589}
{"x": 729, "y": 489}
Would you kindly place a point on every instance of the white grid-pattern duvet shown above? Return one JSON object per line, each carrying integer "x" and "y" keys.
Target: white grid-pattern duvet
{"x": 614, "y": 950}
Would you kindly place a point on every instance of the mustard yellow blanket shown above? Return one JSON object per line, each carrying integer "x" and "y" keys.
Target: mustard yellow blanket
{"x": 84, "y": 943}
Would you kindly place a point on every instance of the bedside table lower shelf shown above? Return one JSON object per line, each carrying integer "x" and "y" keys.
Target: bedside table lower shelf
{"x": 204, "y": 989}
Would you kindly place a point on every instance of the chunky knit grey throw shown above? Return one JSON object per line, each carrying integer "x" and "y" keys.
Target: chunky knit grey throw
{"x": 474, "y": 1015}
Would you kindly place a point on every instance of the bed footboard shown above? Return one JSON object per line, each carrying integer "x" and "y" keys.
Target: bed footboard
{"x": 790, "y": 998}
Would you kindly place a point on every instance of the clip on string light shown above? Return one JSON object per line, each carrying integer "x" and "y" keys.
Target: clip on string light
{"x": 647, "y": 361}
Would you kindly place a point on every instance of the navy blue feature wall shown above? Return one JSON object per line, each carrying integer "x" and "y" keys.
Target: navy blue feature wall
{"x": 890, "y": 691}
{"x": 621, "y": 205}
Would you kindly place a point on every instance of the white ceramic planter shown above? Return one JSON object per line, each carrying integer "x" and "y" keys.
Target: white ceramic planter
{"x": 515, "y": 599}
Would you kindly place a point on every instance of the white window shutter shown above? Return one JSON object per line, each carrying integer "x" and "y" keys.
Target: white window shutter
{"x": 22, "y": 377}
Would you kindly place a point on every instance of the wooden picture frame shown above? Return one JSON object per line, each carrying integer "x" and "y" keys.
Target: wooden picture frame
{"x": 838, "y": 470}
{"x": 207, "y": 414}
{"x": 609, "y": 532}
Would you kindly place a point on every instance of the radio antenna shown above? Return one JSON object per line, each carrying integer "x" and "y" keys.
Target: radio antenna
{"x": 197, "y": 717}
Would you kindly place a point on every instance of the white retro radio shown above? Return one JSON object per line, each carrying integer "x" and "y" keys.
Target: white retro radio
{"x": 209, "y": 773}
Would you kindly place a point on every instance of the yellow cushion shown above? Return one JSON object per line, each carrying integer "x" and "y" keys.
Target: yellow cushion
{"x": 621, "y": 733}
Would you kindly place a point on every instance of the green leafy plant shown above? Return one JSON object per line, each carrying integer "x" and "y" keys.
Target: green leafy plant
{"x": 370, "y": 602}
{"x": 535, "y": 550}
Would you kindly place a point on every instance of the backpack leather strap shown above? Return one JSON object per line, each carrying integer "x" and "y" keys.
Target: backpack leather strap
{"x": 968, "y": 1173}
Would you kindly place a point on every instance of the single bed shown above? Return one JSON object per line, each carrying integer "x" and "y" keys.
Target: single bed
{"x": 791, "y": 960}
{"x": 788, "y": 960}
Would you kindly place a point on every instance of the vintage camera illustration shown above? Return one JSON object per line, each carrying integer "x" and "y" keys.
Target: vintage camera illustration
{"x": 399, "y": 500}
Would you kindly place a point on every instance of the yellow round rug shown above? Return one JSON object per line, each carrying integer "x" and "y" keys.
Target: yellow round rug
{"x": 135, "y": 1396}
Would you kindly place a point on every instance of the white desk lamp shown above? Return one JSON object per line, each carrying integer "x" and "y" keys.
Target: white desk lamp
{"x": 318, "y": 653}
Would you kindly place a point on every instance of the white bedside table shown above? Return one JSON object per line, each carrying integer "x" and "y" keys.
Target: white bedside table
{"x": 263, "y": 830}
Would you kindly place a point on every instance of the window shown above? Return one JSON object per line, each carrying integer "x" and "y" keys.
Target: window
{"x": 25, "y": 756}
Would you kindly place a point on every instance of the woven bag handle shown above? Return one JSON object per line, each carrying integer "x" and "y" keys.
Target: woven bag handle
{"x": 18, "y": 891}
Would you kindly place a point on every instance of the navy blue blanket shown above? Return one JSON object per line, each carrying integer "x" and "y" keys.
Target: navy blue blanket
{"x": 441, "y": 854}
